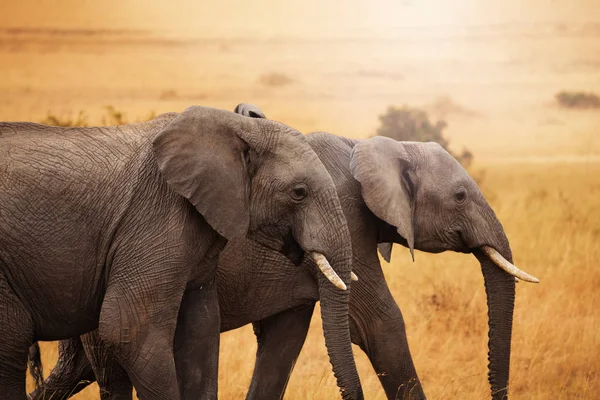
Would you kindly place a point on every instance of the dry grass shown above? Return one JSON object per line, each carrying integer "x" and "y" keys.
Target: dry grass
{"x": 551, "y": 214}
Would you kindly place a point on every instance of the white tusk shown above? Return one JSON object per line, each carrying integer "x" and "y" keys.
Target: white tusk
{"x": 507, "y": 266}
{"x": 353, "y": 276}
{"x": 327, "y": 270}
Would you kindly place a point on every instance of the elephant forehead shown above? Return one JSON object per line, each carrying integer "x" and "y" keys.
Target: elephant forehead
{"x": 440, "y": 163}
{"x": 296, "y": 153}
{"x": 302, "y": 166}
{"x": 294, "y": 146}
{"x": 273, "y": 134}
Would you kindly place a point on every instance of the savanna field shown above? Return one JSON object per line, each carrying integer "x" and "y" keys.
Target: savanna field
{"x": 553, "y": 225}
{"x": 495, "y": 86}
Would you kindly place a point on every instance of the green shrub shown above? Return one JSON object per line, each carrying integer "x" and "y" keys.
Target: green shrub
{"x": 413, "y": 124}
{"x": 577, "y": 99}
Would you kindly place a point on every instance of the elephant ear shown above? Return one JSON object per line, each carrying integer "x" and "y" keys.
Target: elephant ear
{"x": 202, "y": 156}
{"x": 385, "y": 249}
{"x": 381, "y": 165}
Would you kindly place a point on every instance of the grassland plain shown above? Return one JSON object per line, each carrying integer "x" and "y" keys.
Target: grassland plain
{"x": 550, "y": 212}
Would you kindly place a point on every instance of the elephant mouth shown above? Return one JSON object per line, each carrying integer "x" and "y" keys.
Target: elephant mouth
{"x": 451, "y": 240}
{"x": 291, "y": 249}
{"x": 463, "y": 247}
{"x": 271, "y": 238}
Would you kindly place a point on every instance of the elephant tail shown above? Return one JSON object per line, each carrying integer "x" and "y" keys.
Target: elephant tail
{"x": 35, "y": 364}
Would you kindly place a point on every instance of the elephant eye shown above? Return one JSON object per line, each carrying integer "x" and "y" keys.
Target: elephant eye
{"x": 299, "y": 192}
{"x": 461, "y": 195}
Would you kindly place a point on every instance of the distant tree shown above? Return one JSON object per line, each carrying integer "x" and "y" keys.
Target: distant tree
{"x": 275, "y": 79}
{"x": 413, "y": 124}
{"x": 570, "y": 99}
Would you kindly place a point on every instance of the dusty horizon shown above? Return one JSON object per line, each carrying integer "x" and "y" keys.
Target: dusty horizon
{"x": 315, "y": 17}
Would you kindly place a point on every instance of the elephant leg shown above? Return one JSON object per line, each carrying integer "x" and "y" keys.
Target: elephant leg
{"x": 71, "y": 374}
{"x": 280, "y": 338}
{"x": 16, "y": 335}
{"x": 377, "y": 327}
{"x": 388, "y": 351}
{"x": 197, "y": 343}
{"x": 138, "y": 320}
{"x": 113, "y": 382}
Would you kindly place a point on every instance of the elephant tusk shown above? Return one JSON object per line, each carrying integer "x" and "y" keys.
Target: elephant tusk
{"x": 353, "y": 276}
{"x": 327, "y": 270}
{"x": 507, "y": 266}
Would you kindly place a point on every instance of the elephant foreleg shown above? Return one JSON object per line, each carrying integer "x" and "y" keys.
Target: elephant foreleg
{"x": 138, "y": 321}
{"x": 280, "y": 338}
{"x": 71, "y": 374}
{"x": 377, "y": 327}
{"x": 197, "y": 343}
{"x": 16, "y": 335}
{"x": 113, "y": 382}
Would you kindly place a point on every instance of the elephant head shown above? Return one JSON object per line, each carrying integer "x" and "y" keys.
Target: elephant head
{"x": 427, "y": 201}
{"x": 260, "y": 179}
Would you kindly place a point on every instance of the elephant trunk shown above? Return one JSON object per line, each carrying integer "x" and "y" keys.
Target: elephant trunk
{"x": 500, "y": 291}
{"x": 488, "y": 241}
{"x": 334, "y": 314}
{"x": 323, "y": 233}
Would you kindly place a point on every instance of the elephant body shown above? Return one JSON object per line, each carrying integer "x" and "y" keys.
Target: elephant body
{"x": 69, "y": 234}
{"x": 75, "y": 254}
{"x": 119, "y": 229}
{"x": 281, "y": 308}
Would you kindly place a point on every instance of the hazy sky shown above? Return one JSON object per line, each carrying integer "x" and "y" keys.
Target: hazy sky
{"x": 290, "y": 18}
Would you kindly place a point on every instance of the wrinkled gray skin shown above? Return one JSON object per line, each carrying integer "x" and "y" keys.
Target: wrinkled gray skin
{"x": 391, "y": 192}
{"x": 119, "y": 229}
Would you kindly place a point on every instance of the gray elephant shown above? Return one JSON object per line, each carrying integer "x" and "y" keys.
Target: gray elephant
{"x": 119, "y": 229}
{"x": 414, "y": 194}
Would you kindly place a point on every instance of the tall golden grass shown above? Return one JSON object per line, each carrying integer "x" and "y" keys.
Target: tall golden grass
{"x": 551, "y": 213}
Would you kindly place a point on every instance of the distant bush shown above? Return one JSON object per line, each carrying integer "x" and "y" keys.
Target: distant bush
{"x": 55, "y": 120}
{"x": 169, "y": 94}
{"x": 111, "y": 116}
{"x": 413, "y": 124}
{"x": 578, "y": 99}
{"x": 275, "y": 79}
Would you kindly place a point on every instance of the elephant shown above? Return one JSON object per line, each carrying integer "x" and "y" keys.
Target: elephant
{"x": 118, "y": 229}
{"x": 413, "y": 194}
